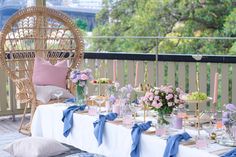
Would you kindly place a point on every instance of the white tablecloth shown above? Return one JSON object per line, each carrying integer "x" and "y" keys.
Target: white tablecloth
{"x": 116, "y": 142}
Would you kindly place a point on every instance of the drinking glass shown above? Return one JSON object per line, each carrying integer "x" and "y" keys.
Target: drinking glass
{"x": 99, "y": 100}
{"x": 208, "y": 115}
{"x": 208, "y": 128}
{"x": 182, "y": 113}
{"x": 57, "y": 94}
{"x": 135, "y": 107}
{"x": 202, "y": 142}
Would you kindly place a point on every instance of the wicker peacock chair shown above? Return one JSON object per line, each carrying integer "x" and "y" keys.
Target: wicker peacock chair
{"x": 37, "y": 31}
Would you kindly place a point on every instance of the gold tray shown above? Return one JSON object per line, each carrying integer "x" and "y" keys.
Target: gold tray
{"x": 196, "y": 101}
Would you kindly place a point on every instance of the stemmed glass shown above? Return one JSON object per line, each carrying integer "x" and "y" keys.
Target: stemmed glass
{"x": 58, "y": 94}
{"x": 135, "y": 107}
{"x": 99, "y": 100}
{"x": 183, "y": 114}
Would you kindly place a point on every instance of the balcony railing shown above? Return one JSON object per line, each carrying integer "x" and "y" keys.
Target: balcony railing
{"x": 176, "y": 70}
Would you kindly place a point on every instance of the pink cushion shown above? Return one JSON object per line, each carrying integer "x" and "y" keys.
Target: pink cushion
{"x": 47, "y": 74}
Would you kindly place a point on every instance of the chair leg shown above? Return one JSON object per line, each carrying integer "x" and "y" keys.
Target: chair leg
{"x": 24, "y": 129}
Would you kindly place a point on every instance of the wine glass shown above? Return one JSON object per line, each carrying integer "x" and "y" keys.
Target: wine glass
{"x": 58, "y": 94}
{"x": 99, "y": 100}
{"x": 208, "y": 116}
{"x": 135, "y": 107}
{"x": 182, "y": 113}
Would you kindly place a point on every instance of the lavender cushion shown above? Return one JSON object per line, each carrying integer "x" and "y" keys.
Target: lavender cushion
{"x": 47, "y": 74}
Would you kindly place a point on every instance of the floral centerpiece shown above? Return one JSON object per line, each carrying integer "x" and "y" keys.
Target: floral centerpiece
{"x": 113, "y": 90}
{"x": 80, "y": 78}
{"x": 120, "y": 96}
{"x": 229, "y": 119}
{"x": 124, "y": 93}
{"x": 163, "y": 100}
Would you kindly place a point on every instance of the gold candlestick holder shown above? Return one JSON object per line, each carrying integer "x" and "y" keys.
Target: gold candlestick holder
{"x": 145, "y": 112}
{"x": 197, "y": 103}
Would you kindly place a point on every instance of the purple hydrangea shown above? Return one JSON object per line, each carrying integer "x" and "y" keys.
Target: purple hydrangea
{"x": 112, "y": 99}
{"x": 226, "y": 116}
{"x": 81, "y": 77}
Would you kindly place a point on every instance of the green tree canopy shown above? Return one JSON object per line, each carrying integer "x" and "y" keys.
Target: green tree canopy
{"x": 81, "y": 24}
{"x": 199, "y": 18}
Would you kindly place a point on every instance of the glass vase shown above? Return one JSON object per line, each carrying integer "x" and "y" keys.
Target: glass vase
{"x": 81, "y": 94}
{"x": 164, "y": 119}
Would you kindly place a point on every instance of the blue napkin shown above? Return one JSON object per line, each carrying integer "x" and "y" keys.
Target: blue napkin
{"x": 136, "y": 133}
{"x": 68, "y": 118}
{"x": 231, "y": 153}
{"x": 172, "y": 145}
{"x": 70, "y": 100}
{"x": 99, "y": 125}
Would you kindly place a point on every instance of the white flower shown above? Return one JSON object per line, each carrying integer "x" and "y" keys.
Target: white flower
{"x": 176, "y": 100}
{"x": 170, "y": 103}
{"x": 156, "y": 92}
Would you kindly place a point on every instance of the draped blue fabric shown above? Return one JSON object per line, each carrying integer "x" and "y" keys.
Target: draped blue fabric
{"x": 100, "y": 123}
{"x": 136, "y": 133}
{"x": 172, "y": 146}
{"x": 68, "y": 118}
{"x": 231, "y": 153}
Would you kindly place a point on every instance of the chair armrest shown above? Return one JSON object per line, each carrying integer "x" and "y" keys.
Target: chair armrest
{"x": 24, "y": 90}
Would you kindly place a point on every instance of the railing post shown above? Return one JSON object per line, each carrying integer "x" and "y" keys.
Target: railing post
{"x": 40, "y": 3}
{"x": 156, "y": 51}
{"x": 12, "y": 99}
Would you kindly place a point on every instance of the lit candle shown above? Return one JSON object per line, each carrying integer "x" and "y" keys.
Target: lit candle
{"x": 215, "y": 88}
{"x": 114, "y": 70}
{"x": 136, "y": 75}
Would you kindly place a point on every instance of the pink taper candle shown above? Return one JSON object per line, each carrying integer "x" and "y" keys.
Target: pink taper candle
{"x": 215, "y": 88}
{"x": 114, "y": 70}
{"x": 136, "y": 75}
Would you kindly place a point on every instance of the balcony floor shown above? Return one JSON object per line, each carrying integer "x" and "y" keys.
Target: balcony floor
{"x": 9, "y": 132}
{"x": 7, "y": 125}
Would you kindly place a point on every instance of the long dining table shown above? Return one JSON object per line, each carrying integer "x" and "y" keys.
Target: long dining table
{"x": 47, "y": 122}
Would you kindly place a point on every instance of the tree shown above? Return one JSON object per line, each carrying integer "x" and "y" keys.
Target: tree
{"x": 167, "y": 18}
{"x": 81, "y": 24}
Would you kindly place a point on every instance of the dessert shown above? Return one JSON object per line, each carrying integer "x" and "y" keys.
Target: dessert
{"x": 102, "y": 81}
{"x": 197, "y": 96}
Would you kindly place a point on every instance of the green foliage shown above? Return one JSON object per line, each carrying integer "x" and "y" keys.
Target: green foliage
{"x": 167, "y": 18}
{"x": 81, "y": 24}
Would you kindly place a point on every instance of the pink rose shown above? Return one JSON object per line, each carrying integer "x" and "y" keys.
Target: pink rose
{"x": 84, "y": 77}
{"x": 148, "y": 94}
{"x": 151, "y": 98}
{"x": 156, "y": 98}
{"x": 169, "y": 96}
{"x": 156, "y": 105}
{"x": 170, "y": 90}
